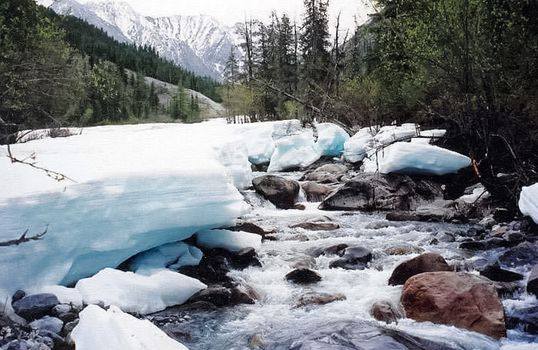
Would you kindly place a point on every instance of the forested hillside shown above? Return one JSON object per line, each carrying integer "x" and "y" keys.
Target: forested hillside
{"x": 58, "y": 70}
{"x": 466, "y": 65}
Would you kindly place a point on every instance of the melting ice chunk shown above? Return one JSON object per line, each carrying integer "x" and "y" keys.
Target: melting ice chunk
{"x": 137, "y": 293}
{"x": 116, "y": 330}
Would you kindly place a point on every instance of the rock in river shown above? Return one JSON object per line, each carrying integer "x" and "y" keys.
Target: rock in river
{"x": 459, "y": 299}
{"x": 278, "y": 190}
{"x": 35, "y": 306}
{"x": 368, "y": 191}
{"x": 303, "y": 276}
{"x": 428, "y": 262}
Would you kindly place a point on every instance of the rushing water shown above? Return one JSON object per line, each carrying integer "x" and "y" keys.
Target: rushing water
{"x": 275, "y": 318}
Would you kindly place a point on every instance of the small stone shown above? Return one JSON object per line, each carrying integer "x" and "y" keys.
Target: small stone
{"x": 18, "y": 296}
{"x": 403, "y": 250}
{"x": 385, "y": 312}
{"x": 299, "y": 206}
{"x": 317, "y": 226}
{"x": 47, "y": 323}
{"x": 216, "y": 295}
{"x": 61, "y": 309}
{"x": 354, "y": 258}
{"x": 69, "y": 326}
{"x": 319, "y": 299}
{"x": 303, "y": 276}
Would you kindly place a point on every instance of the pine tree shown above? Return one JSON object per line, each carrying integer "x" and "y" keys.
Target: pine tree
{"x": 314, "y": 44}
{"x": 231, "y": 69}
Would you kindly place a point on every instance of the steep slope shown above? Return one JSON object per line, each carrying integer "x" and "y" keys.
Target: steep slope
{"x": 198, "y": 43}
{"x": 165, "y": 91}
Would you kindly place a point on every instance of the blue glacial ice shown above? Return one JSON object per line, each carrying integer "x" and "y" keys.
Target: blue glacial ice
{"x": 331, "y": 139}
{"x": 137, "y": 187}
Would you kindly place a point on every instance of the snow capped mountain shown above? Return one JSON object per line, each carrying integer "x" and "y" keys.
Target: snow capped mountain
{"x": 198, "y": 43}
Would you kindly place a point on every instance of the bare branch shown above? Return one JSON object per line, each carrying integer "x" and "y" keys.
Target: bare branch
{"x": 24, "y": 239}
{"x": 30, "y": 161}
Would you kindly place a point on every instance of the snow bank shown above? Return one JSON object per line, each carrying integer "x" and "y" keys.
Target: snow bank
{"x": 259, "y": 142}
{"x": 416, "y": 158}
{"x": 230, "y": 240}
{"x": 234, "y": 156}
{"x": 528, "y": 202}
{"x": 296, "y": 151}
{"x": 142, "y": 294}
{"x": 137, "y": 187}
{"x": 428, "y": 136}
{"x": 357, "y": 147}
{"x": 171, "y": 255}
{"x": 392, "y": 133}
{"x": 331, "y": 139}
{"x": 115, "y": 330}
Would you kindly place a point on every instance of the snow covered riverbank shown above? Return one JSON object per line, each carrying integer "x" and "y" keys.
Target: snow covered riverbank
{"x": 140, "y": 190}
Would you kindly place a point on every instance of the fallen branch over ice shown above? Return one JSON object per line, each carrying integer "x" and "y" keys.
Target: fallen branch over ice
{"x": 24, "y": 239}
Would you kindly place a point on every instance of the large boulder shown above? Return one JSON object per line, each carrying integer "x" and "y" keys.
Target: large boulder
{"x": 459, "y": 299}
{"x": 370, "y": 192}
{"x": 278, "y": 190}
{"x": 428, "y": 262}
{"x": 32, "y": 307}
{"x": 347, "y": 335}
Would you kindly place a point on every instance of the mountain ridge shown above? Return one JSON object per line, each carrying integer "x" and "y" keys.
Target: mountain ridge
{"x": 200, "y": 44}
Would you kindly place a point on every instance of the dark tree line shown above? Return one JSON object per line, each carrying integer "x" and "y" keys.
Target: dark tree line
{"x": 470, "y": 66}
{"x": 288, "y": 67}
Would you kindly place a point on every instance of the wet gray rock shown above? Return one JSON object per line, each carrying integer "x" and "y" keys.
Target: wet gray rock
{"x": 18, "y": 295}
{"x": 354, "y": 258}
{"x": 250, "y": 227}
{"x": 278, "y": 190}
{"x": 216, "y": 295}
{"x": 47, "y": 323}
{"x": 532, "y": 284}
{"x": 35, "y": 306}
{"x": 350, "y": 335}
{"x": 303, "y": 276}
{"x": 403, "y": 250}
{"x": 525, "y": 319}
{"x": 319, "y": 299}
{"x": 384, "y": 311}
{"x": 337, "y": 249}
{"x": 69, "y": 326}
{"x": 328, "y": 173}
{"x": 496, "y": 273}
{"x": 317, "y": 226}
{"x": 315, "y": 192}
{"x": 430, "y": 213}
{"x": 428, "y": 262}
{"x": 369, "y": 192}
{"x": 524, "y": 254}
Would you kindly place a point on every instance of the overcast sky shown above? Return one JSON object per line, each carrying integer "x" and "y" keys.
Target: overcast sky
{"x": 232, "y": 11}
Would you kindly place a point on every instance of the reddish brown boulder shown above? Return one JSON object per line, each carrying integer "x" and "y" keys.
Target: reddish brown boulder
{"x": 459, "y": 299}
{"x": 429, "y": 262}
